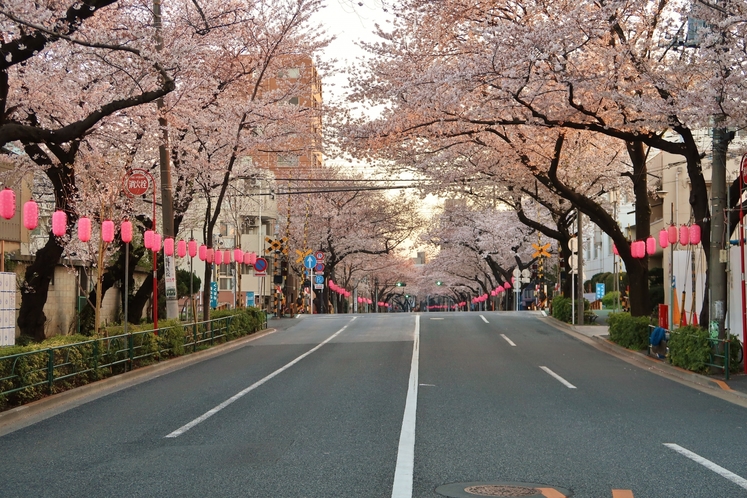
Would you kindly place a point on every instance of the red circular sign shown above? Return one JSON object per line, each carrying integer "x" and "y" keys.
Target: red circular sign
{"x": 743, "y": 168}
{"x": 136, "y": 183}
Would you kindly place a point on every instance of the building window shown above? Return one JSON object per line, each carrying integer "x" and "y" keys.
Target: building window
{"x": 293, "y": 101}
{"x": 290, "y": 73}
{"x": 287, "y": 160}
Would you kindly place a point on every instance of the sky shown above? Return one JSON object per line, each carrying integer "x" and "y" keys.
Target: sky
{"x": 349, "y": 21}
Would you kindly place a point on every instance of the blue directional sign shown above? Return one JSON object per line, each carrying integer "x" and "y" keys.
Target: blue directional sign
{"x": 309, "y": 261}
{"x": 318, "y": 279}
{"x": 600, "y": 291}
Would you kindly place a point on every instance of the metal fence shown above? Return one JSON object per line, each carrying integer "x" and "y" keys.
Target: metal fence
{"x": 32, "y": 374}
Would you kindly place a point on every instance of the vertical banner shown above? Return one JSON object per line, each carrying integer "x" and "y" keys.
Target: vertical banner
{"x": 7, "y": 309}
{"x": 664, "y": 316}
{"x": 249, "y": 298}
{"x": 169, "y": 278}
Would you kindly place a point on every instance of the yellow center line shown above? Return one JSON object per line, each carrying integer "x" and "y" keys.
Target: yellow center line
{"x": 622, "y": 493}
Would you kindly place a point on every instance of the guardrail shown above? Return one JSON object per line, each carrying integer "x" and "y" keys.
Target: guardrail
{"x": 32, "y": 374}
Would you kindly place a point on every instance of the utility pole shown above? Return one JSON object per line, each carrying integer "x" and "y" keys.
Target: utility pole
{"x": 167, "y": 198}
{"x": 580, "y": 309}
{"x": 718, "y": 255}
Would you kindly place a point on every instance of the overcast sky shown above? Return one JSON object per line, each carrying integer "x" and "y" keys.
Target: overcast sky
{"x": 349, "y": 21}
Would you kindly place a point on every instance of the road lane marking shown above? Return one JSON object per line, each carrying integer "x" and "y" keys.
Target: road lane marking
{"x": 559, "y": 378}
{"x": 404, "y": 470}
{"x": 622, "y": 493}
{"x": 181, "y": 430}
{"x": 508, "y": 340}
{"x": 484, "y": 319}
{"x": 550, "y": 493}
{"x": 739, "y": 481}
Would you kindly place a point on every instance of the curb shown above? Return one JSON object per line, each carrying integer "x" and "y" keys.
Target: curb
{"x": 697, "y": 381}
{"x": 36, "y": 411}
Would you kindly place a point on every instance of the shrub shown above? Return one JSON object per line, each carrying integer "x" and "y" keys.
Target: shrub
{"x": 245, "y": 321}
{"x": 561, "y": 309}
{"x": 628, "y": 331}
{"x": 609, "y": 299}
{"x": 691, "y": 348}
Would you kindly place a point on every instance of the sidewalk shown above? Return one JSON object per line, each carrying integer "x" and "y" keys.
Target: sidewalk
{"x": 733, "y": 390}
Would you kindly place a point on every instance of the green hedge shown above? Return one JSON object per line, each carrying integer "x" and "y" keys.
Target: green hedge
{"x": 690, "y": 348}
{"x": 562, "y": 308}
{"x": 628, "y": 331}
{"x": 86, "y": 353}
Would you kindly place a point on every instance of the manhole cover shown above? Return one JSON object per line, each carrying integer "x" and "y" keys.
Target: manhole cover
{"x": 493, "y": 490}
{"x": 502, "y": 488}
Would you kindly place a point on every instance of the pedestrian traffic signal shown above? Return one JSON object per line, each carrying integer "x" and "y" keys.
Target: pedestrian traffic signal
{"x": 401, "y": 284}
{"x": 438, "y": 282}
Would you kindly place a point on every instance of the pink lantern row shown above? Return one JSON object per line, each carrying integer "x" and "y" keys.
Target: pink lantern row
{"x": 340, "y": 290}
{"x": 364, "y": 300}
{"x": 8, "y": 209}
{"x": 685, "y": 235}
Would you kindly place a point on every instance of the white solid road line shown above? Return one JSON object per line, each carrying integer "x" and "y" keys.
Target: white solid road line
{"x": 508, "y": 340}
{"x": 739, "y": 481}
{"x": 403, "y": 472}
{"x": 181, "y": 430}
{"x": 484, "y": 319}
{"x": 561, "y": 379}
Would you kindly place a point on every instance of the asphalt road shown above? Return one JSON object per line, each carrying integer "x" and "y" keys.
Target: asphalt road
{"x": 332, "y": 407}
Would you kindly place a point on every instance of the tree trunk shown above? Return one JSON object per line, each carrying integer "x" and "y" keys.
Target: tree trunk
{"x": 35, "y": 288}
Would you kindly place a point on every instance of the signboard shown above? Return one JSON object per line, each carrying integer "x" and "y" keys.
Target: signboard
{"x": 318, "y": 286}
{"x": 249, "y": 298}
{"x": 260, "y": 267}
{"x": 319, "y": 279}
{"x": 7, "y": 309}
{"x": 600, "y": 291}
{"x": 136, "y": 182}
{"x": 319, "y": 255}
{"x": 169, "y": 276}
{"x": 309, "y": 261}
{"x": 213, "y": 294}
{"x": 319, "y": 268}
{"x": 743, "y": 169}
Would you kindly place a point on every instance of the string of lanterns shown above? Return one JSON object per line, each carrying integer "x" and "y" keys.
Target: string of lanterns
{"x": 151, "y": 239}
{"x": 685, "y": 235}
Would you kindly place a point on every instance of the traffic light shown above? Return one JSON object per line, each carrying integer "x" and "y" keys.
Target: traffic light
{"x": 438, "y": 282}
{"x": 401, "y": 284}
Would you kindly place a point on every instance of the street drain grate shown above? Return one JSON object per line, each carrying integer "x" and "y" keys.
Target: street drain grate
{"x": 501, "y": 488}
{"x": 506, "y": 491}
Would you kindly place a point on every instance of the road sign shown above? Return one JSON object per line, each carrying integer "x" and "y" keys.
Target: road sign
{"x": 136, "y": 182}
{"x": 541, "y": 251}
{"x": 319, "y": 268}
{"x": 573, "y": 261}
{"x": 517, "y": 272}
{"x": 260, "y": 267}
{"x": 319, "y": 255}
{"x": 525, "y": 273}
{"x": 318, "y": 286}
{"x": 302, "y": 254}
{"x": 250, "y": 298}
{"x": 318, "y": 279}
{"x": 573, "y": 244}
{"x": 743, "y": 169}
{"x": 309, "y": 262}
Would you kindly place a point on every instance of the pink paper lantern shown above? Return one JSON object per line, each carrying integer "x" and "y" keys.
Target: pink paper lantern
{"x": 238, "y": 255}
{"x": 107, "y": 231}
{"x": 672, "y": 234}
{"x": 125, "y": 231}
{"x": 59, "y": 223}
{"x": 218, "y": 254}
{"x": 641, "y": 249}
{"x": 252, "y": 258}
{"x": 84, "y": 229}
{"x": 30, "y": 215}
{"x": 156, "y": 242}
{"x": 663, "y": 238}
{"x": 192, "y": 247}
{"x": 614, "y": 250}
{"x": 507, "y": 285}
{"x": 650, "y": 245}
{"x": 168, "y": 246}
{"x": 695, "y": 234}
{"x": 148, "y": 239}
{"x": 684, "y": 235}
{"x": 210, "y": 255}
{"x": 246, "y": 258}
{"x": 202, "y": 252}
{"x": 7, "y": 203}
{"x": 226, "y": 257}
{"x": 181, "y": 248}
